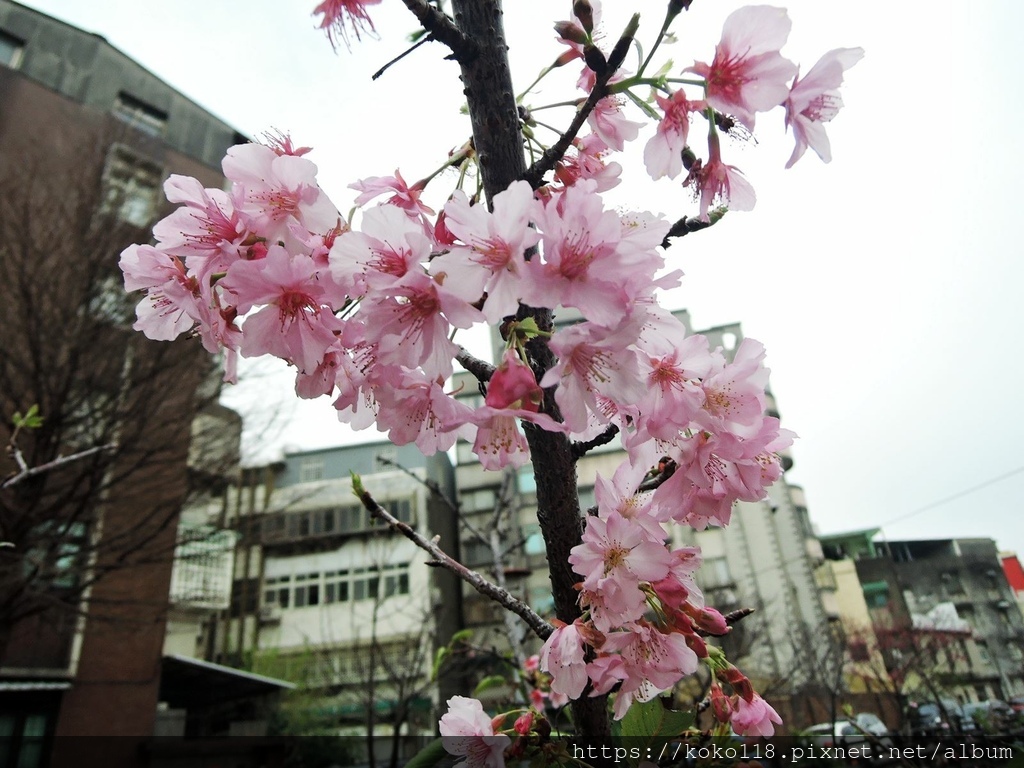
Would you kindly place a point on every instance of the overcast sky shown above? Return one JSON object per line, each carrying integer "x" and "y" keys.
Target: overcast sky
{"x": 888, "y": 286}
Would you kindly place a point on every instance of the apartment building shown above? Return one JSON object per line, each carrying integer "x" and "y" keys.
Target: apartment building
{"x": 323, "y": 595}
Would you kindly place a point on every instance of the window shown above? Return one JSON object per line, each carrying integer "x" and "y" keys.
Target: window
{"x": 140, "y": 115}
{"x": 22, "y": 739}
{"x": 311, "y": 470}
{"x": 474, "y": 501}
{"x": 11, "y": 50}
{"x": 952, "y": 583}
{"x": 203, "y": 562}
{"x": 526, "y": 481}
{"x": 130, "y": 187}
{"x": 307, "y": 590}
{"x": 401, "y": 509}
{"x": 715, "y": 573}
{"x": 366, "y": 583}
{"x": 336, "y": 586}
{"x": 278, "y": 591}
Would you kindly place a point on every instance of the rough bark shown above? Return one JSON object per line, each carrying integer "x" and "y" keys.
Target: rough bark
{"x": 487, "y": 83}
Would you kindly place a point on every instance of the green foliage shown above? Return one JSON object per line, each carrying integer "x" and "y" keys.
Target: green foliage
{"x": 29, "y": 420}
{"x": 647, "y": 727}
{"x": 430, "y": 755}
{"x": 491, "y": 681}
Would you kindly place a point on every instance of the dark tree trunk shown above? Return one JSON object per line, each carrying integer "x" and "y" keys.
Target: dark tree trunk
{"x": 487, "y": 83}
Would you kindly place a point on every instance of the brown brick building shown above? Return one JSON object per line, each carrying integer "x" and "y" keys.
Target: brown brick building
{"x": 87, "y": 137}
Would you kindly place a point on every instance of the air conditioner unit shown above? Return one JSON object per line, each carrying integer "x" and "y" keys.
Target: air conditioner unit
{"x": 270, "y": 614}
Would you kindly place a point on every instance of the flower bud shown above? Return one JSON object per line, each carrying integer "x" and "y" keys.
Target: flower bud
{"x": 720, "y": 705}
{"x": 585, "y": 13}
{"x": 524, "y": 723}
{"x": 568, "y": 30}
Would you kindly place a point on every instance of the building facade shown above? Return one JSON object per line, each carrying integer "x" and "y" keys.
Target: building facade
{"x": 87, "y": 137}
{"x": 954, "y": 591}
{"x": 325, "y": 596}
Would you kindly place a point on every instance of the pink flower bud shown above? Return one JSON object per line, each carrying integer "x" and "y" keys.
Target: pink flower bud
{"x": 513, "y": 385}
{"x": 524, "y": 723}
{"x": 720, "y": 705}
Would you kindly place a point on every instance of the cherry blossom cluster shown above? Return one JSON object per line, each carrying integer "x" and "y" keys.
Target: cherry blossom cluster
{"x": 747, "y": 74}
{"x": 367, "y": 311}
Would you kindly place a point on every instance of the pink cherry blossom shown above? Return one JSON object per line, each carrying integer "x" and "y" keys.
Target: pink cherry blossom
{"x": 610, "y": 123}
{"x": 748, "y": 74}
{"x": 493, "y": 245}
{"x": 755, "y": 717}
{"x": 615, "y": 548}
{"x": 467, "y": 732}
{"x": 339, "y": 15}
{"x": 663, "y": 154}
{"x": 171, "y": 305}
{"x": 514, "y": 385}
{"x": 276, "y": 190}
{"x": 815, "y": 100}
{"x": 403, "y": 196}
{"x": 594, "y": 363}
{"x": 293, "y": 324}
{"x": 563, "y": 657}
{"x": 208, "y": 232}
{"x": 716, "y": 181}
{"x": 586, "y": 160}
{"x": 652, "y": 661}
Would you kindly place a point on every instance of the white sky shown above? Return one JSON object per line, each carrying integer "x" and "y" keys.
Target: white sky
{"x": 886, "y": 286}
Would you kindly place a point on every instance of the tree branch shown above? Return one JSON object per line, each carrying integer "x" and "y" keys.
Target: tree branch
{"x": 685, "y": 226}
{"x": 535, "y": 173}
{"x": 580, "y": 449}
{"x": 58, "y": 462}
{"x": 483, "y": 371}
{"x": 540, "y": 627}
{"x": 442, "y": 29}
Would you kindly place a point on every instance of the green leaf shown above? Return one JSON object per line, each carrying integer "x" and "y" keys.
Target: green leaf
{"x": 30, "y": 420}
{"x": 648, "y": 726}
{"x": 491, "y": 681}
{"x": 430, "y": 755}
{"x": 439, "y": 657}
{"x": 462, "y": 636}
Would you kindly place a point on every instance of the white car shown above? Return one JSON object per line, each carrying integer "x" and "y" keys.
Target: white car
{"x": 849, "y": 733}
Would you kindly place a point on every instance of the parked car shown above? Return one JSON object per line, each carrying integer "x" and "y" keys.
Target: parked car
{"x": 873, "y": 724}
{"x": 930, "y": 718}
{"x": 987, "y": 715}
{"x": 845, "y": 732}
{"x": 839, "y": 733}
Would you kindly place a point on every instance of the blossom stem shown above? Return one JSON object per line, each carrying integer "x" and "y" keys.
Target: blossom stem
{"x": 543, "y": 73}
{"x": 670, "y": 16}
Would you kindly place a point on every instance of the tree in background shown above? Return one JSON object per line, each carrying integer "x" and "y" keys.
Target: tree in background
{"x": 121, "y": 411}
{"x": 366, "y": 311}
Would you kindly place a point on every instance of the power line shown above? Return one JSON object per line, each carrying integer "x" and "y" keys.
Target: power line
{"x": 958, "y": 495}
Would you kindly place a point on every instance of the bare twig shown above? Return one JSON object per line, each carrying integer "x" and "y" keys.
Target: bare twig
{"x": 401, "y": 56}
{"x": 501, "y": 596}
{"x": 27, "y": 472}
